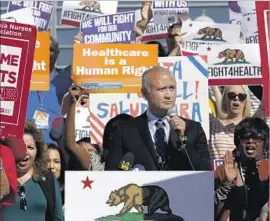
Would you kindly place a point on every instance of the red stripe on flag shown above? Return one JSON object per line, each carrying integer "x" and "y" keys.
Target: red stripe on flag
{"x": 96, "y": 129}
{"x": 97, "y": 120}
{"x": 92, "y": 135}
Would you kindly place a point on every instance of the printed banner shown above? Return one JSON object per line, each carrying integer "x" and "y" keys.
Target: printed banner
{"x": 116, "y": 28}
{"x": 233, "y": 64}
{"x": 191, "y": 100}
{"x": 114, "y": 68}
{"x": 166, "y": 12}
{"x": 235, "y": 15}
{"x": 263, "y": 16}
{"x": 23, "y": 16}
{"x": 40, "y": 80}
{"x": 202, "y": 33}
{"x": 16, "y": 60}
{"x": 41, "y": 11}
{"x": 249, "y": 21}
{"x": 142, "y": 195}
{"x": 155, "y": 32}
{"x": 82, "y": 122}
{"x": 73, "y": 12}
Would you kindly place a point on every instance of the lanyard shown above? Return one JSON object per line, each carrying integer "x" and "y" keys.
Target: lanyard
{"x": 41, "y": 99}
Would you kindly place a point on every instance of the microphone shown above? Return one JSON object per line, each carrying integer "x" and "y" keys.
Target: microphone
{"x": 126, "y": 162}
{"x": 138, "y": 167}
{"x": 182, "y": 138}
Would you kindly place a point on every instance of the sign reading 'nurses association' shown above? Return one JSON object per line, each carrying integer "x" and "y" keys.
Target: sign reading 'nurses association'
{"x": 16, "y": 60}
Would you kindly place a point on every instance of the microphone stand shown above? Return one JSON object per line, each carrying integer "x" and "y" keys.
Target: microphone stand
{"x": 182, "y": 144}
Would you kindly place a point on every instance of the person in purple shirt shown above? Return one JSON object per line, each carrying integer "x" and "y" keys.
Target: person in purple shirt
{"x": 45, "y": 106}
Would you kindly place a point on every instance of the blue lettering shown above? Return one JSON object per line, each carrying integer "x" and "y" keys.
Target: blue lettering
{"x": 177, "y": 70}
{"x": 122, "y": 110}
{"x": 143, "y": 107}
{"x": 185, "y": 90}
{"x": 103, "y": 108}
{"x": 196, "y": 112}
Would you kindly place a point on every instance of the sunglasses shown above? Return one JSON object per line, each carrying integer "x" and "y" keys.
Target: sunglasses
{"x": 232, "y": 96}
{"x": 23, "y": 201}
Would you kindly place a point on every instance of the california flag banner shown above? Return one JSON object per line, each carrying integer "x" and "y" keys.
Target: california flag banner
{"x": 141, "y": 195}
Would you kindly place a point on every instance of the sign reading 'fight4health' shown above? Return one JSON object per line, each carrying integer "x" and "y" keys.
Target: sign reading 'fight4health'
{"x": 233, "y": 64}
{"x": 16, "y": 60}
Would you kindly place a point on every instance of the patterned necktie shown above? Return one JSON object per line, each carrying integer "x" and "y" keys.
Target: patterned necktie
{"x": 160, "y": 143}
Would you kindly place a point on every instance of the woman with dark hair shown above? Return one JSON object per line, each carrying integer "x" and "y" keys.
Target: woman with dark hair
{"x": 242, "y": 182}
{"x": 39, "y": 195}
{"x": 109, "y": 129}
{"x": 57, "y": 165}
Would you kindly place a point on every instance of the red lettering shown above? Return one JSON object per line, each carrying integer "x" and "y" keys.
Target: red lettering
{"x": 9, "y": 59}
{"x": 168, "y": 65}
{"x": 6, "y": 76}
{"x": 114, "y": 110}
{"x": 184, "y": 110}
{"x": 134, "y": 111}
{"x": 12, "y": 77}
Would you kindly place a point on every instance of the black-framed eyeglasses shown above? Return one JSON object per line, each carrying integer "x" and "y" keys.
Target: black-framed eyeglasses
{"x": 23, "y": 201}
{"x": 232, "y": 96}
{"x": 253, "y": 136}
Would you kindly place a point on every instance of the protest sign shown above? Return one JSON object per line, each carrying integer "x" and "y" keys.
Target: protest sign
{"x": 235, "y": 15}
{"x": 191, "y": 100}
{"x": 203, "y": 33}
{"x": 155, "y": 32}
{"x": 249, "y": 21}
{"x": 41, "y": 11}
{"x": 233, "y": 64}
{"x": 159, "y": 195}
{"x": 40, "y": 80}
{"x": 166, "y": 12}
{"x": 112, "y": 68}
{"x": 82, "y": 122}
{"x": 115, "y": 28}
{"x": 263, "y": 17}
{"x": 73, "y": 12}
{"x": 23, "y": 16}
{"x": 16, "y": 60}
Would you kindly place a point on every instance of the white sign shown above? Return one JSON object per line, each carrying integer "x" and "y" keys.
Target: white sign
{"x": 73, "y": 12}
{"x": 23, "y": 16}
{"x": 82, "y": 122}
{"x": 249, "y": 21}
{"x": 167, "y": 12}
{"x": 202, "y": 33}
{"x": 191, "y": 101}
{"x": 141, "y": 195}
{"x": 235, "y": 62}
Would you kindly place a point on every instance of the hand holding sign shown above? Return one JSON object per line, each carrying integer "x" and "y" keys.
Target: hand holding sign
{"x": 146, "y": 11}
{"x": 78, "y": 38}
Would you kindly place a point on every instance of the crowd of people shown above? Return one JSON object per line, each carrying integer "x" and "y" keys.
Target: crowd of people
{"x": 32, "y": 186}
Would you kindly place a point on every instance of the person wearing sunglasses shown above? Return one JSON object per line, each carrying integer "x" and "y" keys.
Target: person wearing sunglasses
{"x": 233, "y": 105}
{"x": 242, "y": 182}
{"x": 38, "y": 196}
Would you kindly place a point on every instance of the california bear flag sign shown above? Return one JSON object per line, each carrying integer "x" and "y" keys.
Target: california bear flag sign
{"x": 136, "y": 196}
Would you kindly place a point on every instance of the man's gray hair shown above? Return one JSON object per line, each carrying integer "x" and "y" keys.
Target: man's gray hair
{"x": 145, "y": 78}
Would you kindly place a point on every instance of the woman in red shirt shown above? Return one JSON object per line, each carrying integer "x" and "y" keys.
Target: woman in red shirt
{"x": 8, "y": 181}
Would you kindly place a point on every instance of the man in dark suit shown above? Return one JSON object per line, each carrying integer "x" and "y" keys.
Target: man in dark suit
{"x": 154, "y": 138}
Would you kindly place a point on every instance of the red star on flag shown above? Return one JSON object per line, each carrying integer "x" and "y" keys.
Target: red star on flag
{"x": 87, "y": 183}
{"x": 78, "y": 111}
{"x": 190, "y": 25}
{"x": 208, "y": 49}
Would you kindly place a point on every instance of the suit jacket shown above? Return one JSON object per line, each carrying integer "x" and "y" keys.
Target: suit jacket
{"x": 134, "y": 136}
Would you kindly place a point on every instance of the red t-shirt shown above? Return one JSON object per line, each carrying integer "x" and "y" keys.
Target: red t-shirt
{"x": 9, "y": 165}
